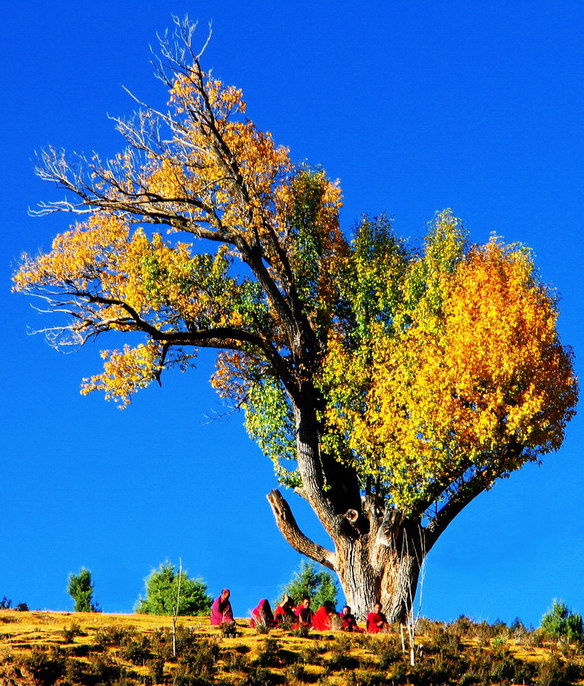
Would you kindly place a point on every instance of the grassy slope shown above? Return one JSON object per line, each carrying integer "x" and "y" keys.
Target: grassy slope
{"x": 94, "y": 648}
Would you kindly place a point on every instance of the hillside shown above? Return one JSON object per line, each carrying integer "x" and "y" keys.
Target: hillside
{"x": 44, "y": 648}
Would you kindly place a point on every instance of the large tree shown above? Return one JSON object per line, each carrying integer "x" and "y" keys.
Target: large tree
{"x": 390, "y": 386}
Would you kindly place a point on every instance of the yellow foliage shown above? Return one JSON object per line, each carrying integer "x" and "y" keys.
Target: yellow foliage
{"x": 124, "y": 372}
{"x": 419, "y": 368}
{"x": 490, "y": 386}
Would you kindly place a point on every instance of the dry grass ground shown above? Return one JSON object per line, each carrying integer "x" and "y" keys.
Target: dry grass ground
{"x": 45, "y": 648}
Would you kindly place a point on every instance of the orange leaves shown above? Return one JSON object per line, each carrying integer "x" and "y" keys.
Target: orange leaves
{"x": 231, "y": 166}
{"x": 478, "y": 380}
{"x": 168, "y": 181}
{"x": 125, "y": 372}
{"x": 76, "y": 255}
{"x": 502, "y": 344}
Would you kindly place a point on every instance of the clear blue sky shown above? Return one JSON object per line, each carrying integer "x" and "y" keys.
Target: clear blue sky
{"x": 415, "y": 105}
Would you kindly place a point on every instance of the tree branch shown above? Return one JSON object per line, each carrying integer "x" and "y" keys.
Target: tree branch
{"x": 288, "y": 527}
{"x": 453, "y": 507}
{"x": 479, "y": 482}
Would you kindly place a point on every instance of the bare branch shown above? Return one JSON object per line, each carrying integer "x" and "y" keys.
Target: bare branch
{"x": 288, "y": 527}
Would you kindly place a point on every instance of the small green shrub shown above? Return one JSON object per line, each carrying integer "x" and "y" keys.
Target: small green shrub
{"x": 388, "y": 655}
{"x": 228, "y": 630}
{"x": 341, "y": 660}
{"x": 47, "y": 666}
{"x": 80, "y": 588}
{"x": 264, "y": 677}
{"x": 463, "y": 627}
{"x": 492, "y": 666}
{"x": 270, "y": 656}
{"x": 103, "y": 669}
{"x": 161, "y": 642}
{"x": 374, "y": 679}
{"x": 445, "y": 640}
{"x": 71, "y": 631}
{"x": 136, "y": 650}
{"x": 562, "y": 624}
{"x": 114, "y": 635}
{"x": 234, "y": 661}
{"x": 261, "y": 628}
{"x": 156, "y": 671}
{"x": 311, "y": 655}
{"x": 199, "y": 660}
{"x": 555, "y": 672}
{"x": 297, "y": 673}
{"x": 166, "y": 585}
{"x": 301, "y": 631}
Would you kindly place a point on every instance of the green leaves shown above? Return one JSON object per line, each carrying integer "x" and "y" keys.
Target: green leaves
{"x": 313, "y": 582}
{"x": 80, "y": 588}
{"x": 269, "y": 422}
{"x": 562, "y": 624}
{"x": 169, "y": 590}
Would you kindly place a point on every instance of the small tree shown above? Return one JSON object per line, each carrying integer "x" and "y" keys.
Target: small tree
{"x": 163, "y": 597}
{"x": 80, "y": 588}
{"x": 561, "y": 623}
{"x": 318, "y": 585}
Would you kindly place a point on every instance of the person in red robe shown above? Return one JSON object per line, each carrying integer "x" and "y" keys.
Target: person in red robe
{"x": 376, "y": 620}
{"x": 321, "y": 620}
{"x": 221, "y": 611}
{"x": 284, "y": 612}
{"x": 348, "y": 621}
{"x": 262, "y": 615}
{"x": 304, "y": 613}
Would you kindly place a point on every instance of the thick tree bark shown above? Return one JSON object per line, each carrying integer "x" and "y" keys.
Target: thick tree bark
{"x": 380, "y": 565}
{"x": 378, "y": 552}
{"x": 371, "y": 570}
{"x": 289, "y": 529}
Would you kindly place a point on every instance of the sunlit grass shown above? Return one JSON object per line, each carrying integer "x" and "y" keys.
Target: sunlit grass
{"x": 82, "y": 644}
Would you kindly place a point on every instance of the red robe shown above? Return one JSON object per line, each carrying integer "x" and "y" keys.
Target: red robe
{"x": 321, "y": 619}
{"x": 221, "y": 612}
{"x": 304, "y": 615}
{"x": 349, "y": 623}
{"x": 262, "y": 614}
{"x": 283, "y": 613}
{"x": 373, "y": 619}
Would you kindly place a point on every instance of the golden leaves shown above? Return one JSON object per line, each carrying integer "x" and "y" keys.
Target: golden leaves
{"x": 76, "y": 256}
{"x": 427, "y": 365}
{"x": 125, "y": 372}
{"x": 230, "y": 167}
{"x": 480, "y": 382}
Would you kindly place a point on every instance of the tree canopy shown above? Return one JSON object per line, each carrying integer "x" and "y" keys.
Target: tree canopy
{"x": 389, "y": 384}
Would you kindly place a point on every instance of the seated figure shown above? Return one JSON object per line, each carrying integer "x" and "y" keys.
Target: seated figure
{"x": 284, "y": 612}
{"x": 348, "y": 621}
{"x": 262, "y": 615}
{"x": 376, "y": 620}
{"x": 304, "y": 613}
{"x": 221, "y": 611}
{"x": 321, "y": 620}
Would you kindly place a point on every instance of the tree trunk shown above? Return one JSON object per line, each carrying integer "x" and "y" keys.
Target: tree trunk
{"x": 378, "y": 553}
{"x": 371, "y": 571}
{"x": 376, "y": 561}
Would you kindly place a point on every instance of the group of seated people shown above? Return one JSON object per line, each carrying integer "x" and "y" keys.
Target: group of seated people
{"x": 287, "y": 614}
